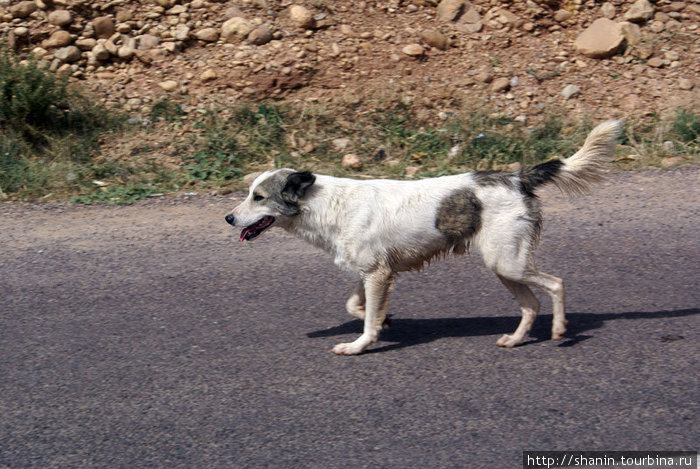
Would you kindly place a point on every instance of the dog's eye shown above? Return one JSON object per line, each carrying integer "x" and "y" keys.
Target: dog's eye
{"x": 257, "y": 197}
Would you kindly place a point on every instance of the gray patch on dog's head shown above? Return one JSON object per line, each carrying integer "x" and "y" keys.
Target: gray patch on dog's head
{"x": 459, "y": 216}
{"x": 282, "y": 189}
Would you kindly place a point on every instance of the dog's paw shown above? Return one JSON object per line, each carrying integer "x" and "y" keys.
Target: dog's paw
{"x": 351, "y": 348}
{"x": 509, "y": 341}
{"x": 559, "y": 330}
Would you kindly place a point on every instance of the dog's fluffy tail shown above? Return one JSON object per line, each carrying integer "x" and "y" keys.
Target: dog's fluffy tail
{"x": 576, "y": 173}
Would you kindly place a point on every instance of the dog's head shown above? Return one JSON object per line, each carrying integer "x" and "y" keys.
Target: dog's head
{"x": 274, "y": 196}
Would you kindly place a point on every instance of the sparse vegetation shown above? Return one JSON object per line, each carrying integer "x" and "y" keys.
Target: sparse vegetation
{"x": 51, "y": 137}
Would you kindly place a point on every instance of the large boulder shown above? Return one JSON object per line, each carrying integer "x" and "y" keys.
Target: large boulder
{"x": 600, "y": 40}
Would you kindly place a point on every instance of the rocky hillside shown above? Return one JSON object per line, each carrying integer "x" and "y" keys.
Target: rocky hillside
{"x": 519, "y": 57}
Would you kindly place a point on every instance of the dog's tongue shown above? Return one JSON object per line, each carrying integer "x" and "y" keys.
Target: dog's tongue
{"x": 245, "y": 232}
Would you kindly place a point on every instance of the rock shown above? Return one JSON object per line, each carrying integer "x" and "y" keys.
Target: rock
{"x": 671, "y": 161}
{"x": 100, "y": 52}
{"x": 103, "y": 26}
{"x": 207, "y": 35}
{"x": 208, "y": 75}
{"x": 686, "y": 84}
{"x": 341, "y": 143}
{"x": 351, "y": 161}
{"x": 60, "y": 18}
{"x": 414, "y": 50}
{"x": 301, "y": 17}
{"x": 655, "y": 62}
{"x": 608, "y": 10}
{"x": 250, "y": 177}
{"x": 484, "y": 77}
{"x": 500, "y": 84}
{"x": 570, "y": 91}
{"x": 123, "y": 16}
{"x": 236, "y": 29}
{"x": 434, "y": 39}
{"x": 21, "y": 31}
{"x": 168, "y": 85}
{"x": 181, "y": 32}
{"x": 59, "y": 38}
{"x": 632, "y": 32}
{"x": 86, "y": 43}
{"x": 260, "y": 35}
{"x": 23, "y": 9}
{"x": 68, "y": 54}
{"x": 411, "y": 170}
{"x": 148, "y": 41}
{"x": 600, "y": 40}
{"x": 640, "y": 11}
{"x": 451, "y": 10}
{"x": 126, "y": 50}
{"x": 561, "y": 15}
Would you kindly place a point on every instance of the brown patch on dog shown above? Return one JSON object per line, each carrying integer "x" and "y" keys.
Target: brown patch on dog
{"x": 458, "y": 217}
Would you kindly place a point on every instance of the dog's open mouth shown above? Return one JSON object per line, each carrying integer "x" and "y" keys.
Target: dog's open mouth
{"x": 254, "y": 230}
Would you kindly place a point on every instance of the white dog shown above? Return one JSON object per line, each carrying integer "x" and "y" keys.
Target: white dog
{"x": 378, "y": 228}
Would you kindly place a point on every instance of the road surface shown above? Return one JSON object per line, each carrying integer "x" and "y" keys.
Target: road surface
{"x": 148, "y": 336}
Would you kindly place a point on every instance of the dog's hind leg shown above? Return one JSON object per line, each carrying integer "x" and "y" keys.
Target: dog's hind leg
{"x": 356, "y": 303}
{"x": 555, "y": 287}
{"x": 529, "y": 306}
{"x": 377, "y": 287}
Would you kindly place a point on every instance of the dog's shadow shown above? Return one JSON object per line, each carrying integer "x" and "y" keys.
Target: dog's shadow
{"x": 409, "y": 332}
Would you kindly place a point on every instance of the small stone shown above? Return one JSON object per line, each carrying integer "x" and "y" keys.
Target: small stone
{"x": 301, "y": 17}
{"x": 207, "y": 35}
{"x": 608, "y": 10}
{"x": 68, "y": 54}
{"x": 657, "y": 26}
{"x": 414, "y": 50}
{"x": 450, "y": 10}
{"x": 208, "y": 75}
{"x": 561, "y": 15}
{"x": 672, "y": 55}
{"x": 260, "y": 36}
{"x": 434, "y": 39}
{"x": 60, "y": 18}
{"x": 600, "y": 40}
{"x": 181, "y": 32}
{"x": 341, "y": 143}
{"x": 168, "y": 85}
{"x": 484, "y": 77}
{"x": 351, "y": 161}
{"x": 512, "y": 167}
{"x": 686, "y": 84}
{"x": 236, "y": 29}
{"x": 671, "y": 161}
{"x": 640, "y": 11}
{"x": 104, "y": 27}
{"x": 59, "y": 38}
{"x": 100, "y": 52}
{"x": 411, "y": 170}
{"x": 655, "y": 62}
{"x": 21, "y": 31}
{"x": 123, "y": 16}
{"x": 23, "y": 9}
{"x": 85, "y": 43}
{"x": 632, "y": 32}
{"x": 500, "y": 84}
{"x": 148, "y": 41}
{"x": 570, "y": 91}
{"x": 250, "y": 177}
{"x": 126, "y": 50}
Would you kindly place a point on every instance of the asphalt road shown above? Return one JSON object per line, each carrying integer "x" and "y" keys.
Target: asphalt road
{"x": 148, "y": 336}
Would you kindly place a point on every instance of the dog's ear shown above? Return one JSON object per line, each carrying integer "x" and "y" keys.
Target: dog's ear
{"x": 296, "y": 186}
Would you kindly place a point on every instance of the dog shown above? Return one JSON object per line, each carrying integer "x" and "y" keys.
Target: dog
{"x": 378, "y": 228}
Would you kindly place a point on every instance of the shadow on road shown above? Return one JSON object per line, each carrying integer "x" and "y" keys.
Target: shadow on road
{"x": 408, "y": 332}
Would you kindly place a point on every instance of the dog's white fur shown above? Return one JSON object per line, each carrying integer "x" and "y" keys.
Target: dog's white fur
{"x": 377, "y": 228}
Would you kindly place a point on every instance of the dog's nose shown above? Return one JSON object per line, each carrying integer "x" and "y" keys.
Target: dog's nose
{"x": 230, "y": 219}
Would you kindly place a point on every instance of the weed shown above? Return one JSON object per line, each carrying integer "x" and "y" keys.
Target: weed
{"x": 116, "y": 195}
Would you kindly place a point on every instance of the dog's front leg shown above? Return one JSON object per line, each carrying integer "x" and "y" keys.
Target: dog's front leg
{"x": 377, "y": 286}
{"x": 356, "y": 303}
